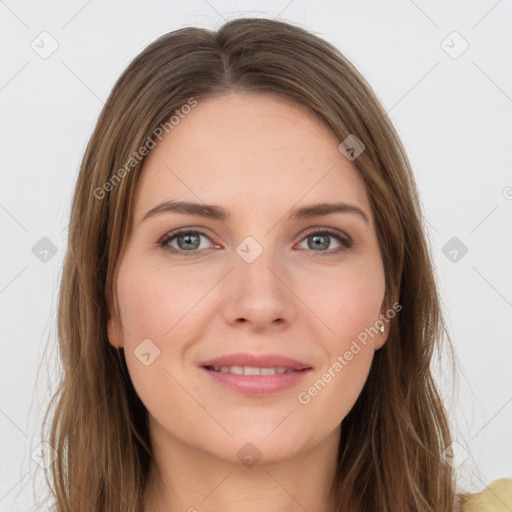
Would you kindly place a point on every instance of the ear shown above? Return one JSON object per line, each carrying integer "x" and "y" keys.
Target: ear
{"x": 114, "y": 329}
{"x": 382, "y": 337}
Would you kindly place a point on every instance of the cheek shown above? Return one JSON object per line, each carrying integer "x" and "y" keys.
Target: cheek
{"x": 334, "y": 388}
{"x": 157, "y": 310}
{"x": 326, "y": 399}
{"x": 351, "y": 303}
{"x": 155, "y": 300}
{"x": 356, "y": 312}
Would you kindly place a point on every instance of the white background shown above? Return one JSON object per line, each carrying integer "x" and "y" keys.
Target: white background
{"x": 454, "y": 116}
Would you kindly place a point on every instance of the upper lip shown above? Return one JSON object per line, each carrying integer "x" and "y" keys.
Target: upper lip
{"x": 257, "y": 361}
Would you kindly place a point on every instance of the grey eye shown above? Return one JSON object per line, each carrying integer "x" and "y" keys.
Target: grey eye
{"x": 186, "y": 241}
{"x": 189, "y": 241}
{"x": 319, "y": 242}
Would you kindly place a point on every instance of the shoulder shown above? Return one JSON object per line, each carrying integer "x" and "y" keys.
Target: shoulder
{"x": 496, "y": 497}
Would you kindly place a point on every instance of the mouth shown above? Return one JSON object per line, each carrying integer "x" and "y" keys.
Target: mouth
{"x": 245, "y": 363}
{"x": 252, "y": 370}
{"x": 256, "y": 375}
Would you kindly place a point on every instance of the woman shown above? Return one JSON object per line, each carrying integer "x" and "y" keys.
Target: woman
{"x": 248, "y": 311}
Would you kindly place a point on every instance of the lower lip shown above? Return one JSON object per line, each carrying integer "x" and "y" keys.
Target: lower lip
{"x": 258, "y": 385}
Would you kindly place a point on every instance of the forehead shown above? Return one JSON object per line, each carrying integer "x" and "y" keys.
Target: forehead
{"x": 254, "y": 151}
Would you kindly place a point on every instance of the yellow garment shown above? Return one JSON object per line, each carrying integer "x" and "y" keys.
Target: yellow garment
{"x": 496, "y": 497}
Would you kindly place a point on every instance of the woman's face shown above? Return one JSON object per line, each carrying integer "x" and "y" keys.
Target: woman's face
{"x": 292, "y": 289}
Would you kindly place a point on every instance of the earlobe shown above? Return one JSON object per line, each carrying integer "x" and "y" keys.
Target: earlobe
{"x": 383, "y": 327}
{"x": 382, "y": 336}
{"x": 114, "y": 331}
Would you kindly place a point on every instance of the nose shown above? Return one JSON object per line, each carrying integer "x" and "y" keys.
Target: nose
{"x": 259, "y": 295}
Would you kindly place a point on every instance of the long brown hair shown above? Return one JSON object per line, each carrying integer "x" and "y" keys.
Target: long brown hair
{"x": 392, "y": 441}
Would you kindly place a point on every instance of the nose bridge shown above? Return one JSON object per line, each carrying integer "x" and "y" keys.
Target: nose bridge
{"x": 256, "y": 266}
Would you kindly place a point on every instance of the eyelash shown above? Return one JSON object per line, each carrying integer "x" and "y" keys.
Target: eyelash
{"x": 344, "y": 240}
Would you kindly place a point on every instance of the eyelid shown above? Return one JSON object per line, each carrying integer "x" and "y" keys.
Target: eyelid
{"x": 344, "y": 239}
{"x": 182, "y": 231}
{"x": 326, "y": 230}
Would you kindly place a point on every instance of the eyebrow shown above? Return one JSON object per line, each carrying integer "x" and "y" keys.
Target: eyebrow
{"x": 218, "y": 213}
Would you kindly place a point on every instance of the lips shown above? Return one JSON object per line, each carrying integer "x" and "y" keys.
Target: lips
{"x": 255, "y": 375}
{"x": 267, "y": 361}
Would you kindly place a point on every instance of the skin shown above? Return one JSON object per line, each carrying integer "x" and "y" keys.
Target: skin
{"x": 257, "y": 156}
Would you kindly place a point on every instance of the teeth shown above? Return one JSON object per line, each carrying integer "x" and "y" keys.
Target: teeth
{"x": 251, "y": 370}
